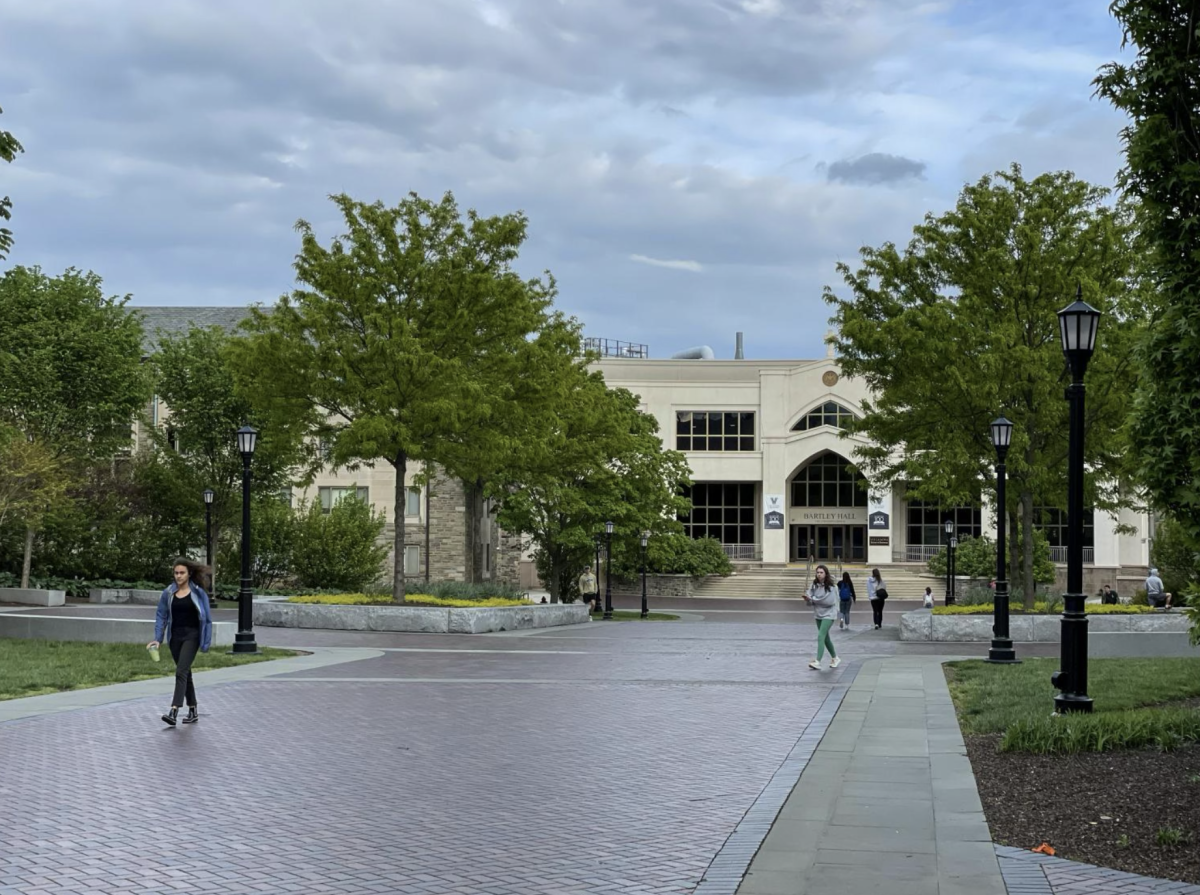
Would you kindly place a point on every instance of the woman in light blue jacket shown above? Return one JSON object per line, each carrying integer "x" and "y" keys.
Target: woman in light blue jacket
{"x": 184, "y": 622}
{"x": 823, "y": 596}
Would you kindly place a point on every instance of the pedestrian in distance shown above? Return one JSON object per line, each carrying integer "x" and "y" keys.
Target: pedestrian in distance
{"x": 927, "y": 602}
{"x": 846, "y": 599}
{"x": 823, "y": 597}
{"x": 588, "y": 589}
{"x": 1156, "y": 594}
{"x": 184, "y": 623}
{"x": 876, "y": 593}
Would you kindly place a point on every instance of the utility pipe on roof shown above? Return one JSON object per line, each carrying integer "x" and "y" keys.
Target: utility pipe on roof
{"x": 700, "y": 352}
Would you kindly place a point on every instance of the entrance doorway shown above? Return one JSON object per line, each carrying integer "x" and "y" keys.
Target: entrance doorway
{"x": 829, "y": 543}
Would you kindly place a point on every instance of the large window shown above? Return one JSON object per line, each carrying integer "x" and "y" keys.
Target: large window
{"x": 828, "y": 481}
{"x": 927, "y": 523}
{"x": 412, "y": 506}
{"x": 331, "y": 497}
{"x": 1053, "y": 522}
{"x": 830, "y": 413}
{"x": 412, "y": 559}
{"x": 722, "y": 510}
{"x": 714, "y": 430}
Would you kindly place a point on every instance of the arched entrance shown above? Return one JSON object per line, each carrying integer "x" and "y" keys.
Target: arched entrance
{"x": 827, "y": 511}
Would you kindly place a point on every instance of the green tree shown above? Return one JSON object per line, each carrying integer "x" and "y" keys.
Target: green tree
{"x": 274, "y": 536}
{"x": 71, "y": 379}
{"x": 32, "y": 479}
{"x": 600, "y": 461}
{"x": 9, "y": 147}
{"x": 1174, "y": 553}
{"x": 960, "y": 327}
{"x": 1160, "y": 92}
{"x": 398, "y": 343}
{"x": 339, "y": 549}
{"x": 197, "y": 448}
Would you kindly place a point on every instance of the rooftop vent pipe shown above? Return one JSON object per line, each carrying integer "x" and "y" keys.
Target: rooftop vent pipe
{"x": 738, "y": 353}
{"x": 700, "y": 352}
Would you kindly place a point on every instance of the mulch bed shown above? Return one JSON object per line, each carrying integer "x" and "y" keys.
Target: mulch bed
{"x": 1082, "y": 805}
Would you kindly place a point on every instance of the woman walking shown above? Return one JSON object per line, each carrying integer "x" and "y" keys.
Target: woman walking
{"x": 824, "y": 598}
{"x": 184, "y": 622}
{"x": 876, "y": 593}
{"x": 846, "y": 598}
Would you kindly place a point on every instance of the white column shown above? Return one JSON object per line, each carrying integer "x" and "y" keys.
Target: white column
{"x": 880, "y": 503}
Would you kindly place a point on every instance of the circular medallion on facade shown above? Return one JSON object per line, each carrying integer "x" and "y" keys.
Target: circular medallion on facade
{"x": 830, "y": 378}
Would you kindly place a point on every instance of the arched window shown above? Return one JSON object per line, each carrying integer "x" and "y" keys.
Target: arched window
{"x": 831, "y": 413}
{"x": 828, "y": 481}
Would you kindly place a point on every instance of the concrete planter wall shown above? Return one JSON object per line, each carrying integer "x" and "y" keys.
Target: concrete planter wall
{"x": 923, "y": 625}
{"x": 29, "y": 626}
{"x": 419, "y": 619}
{"x": 32, "y": 597}
{"x": 123, "y": 595}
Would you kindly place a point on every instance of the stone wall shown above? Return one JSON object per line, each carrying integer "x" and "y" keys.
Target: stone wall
{"x": 657, "y": 586}
{"x": 509, "y": 549}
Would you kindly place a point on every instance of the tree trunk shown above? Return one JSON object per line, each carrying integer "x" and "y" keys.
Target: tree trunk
{"x": 555, "y": 578}
{"x": 400, "y": 464}
{"x": 1027, "y": 548}
{"x": 27, "y": 560}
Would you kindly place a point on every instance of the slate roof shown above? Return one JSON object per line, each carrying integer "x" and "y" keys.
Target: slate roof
{"x": 173, "y": 321}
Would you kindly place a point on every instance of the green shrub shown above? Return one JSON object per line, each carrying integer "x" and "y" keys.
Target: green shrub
{"x": 274, "y": 531}
{"x": 462, "y": 590}
{"x": 339, "y": 549}
{"x": 1166, "y": 729}
{"x": 1041, "y": 608}
{"x": 976, "y": 558}
{"x": 673, "y": 554}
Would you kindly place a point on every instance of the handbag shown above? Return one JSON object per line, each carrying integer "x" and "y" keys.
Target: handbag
{"x": 881, "y": 593}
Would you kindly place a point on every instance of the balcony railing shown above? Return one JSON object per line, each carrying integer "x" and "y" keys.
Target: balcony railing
{"x": 921, "y": 552}
{"x": 1059, "y": 554}
{"x": 743, "y": 552}
{"x": 616, "y": 348}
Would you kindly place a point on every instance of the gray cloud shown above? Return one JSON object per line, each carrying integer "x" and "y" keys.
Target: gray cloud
{"x": 875, "y": 168}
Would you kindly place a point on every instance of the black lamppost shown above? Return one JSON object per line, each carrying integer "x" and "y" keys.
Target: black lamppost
{"x": 608, "y": 530}
{"x": 949, "y": 532}
{"x": 1077, "y": 323}
{"x": 208, "y": 500}
{"x": 1002, "y": 646}
{"x": 244, "y": 641}
{"x": 599, "y": 539}
{"x": 953, "y": 570}
{"x": 645, "y": 541}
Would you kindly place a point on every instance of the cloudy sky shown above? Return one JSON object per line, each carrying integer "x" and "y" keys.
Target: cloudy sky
{"x": 690, "y": 168}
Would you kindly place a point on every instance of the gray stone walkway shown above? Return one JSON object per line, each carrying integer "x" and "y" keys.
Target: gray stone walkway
{"x": 1030, "y": 873}
{"x": 887, "y": 803}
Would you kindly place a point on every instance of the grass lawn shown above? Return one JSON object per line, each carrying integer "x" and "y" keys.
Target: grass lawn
{"x": 35, "y": 667}
{"x": 632, "y": 615}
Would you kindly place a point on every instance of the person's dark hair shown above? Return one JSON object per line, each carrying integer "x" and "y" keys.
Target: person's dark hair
{"x": 828, "y": 579}
{"x": 875, "y": 574}
{"x": 197, "y": 572}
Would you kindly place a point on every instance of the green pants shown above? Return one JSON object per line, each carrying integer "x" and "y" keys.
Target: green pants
{"x": 824, "y": 641}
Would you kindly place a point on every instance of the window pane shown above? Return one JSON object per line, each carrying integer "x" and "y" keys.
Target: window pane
{"x": 683, "y": 443}
{"x": 798, "y": 494}
{"x": 413, "y": 507}
{"x": 747, "y": 424}
{"x": 830, "y": 494}
{"x": 683, "y": 423}
{"x": 845, "y": 494}
{"x": 747, "y": 443}
{"x": 729, "y": 423}
{"x": 326, "y": 498}
{"x": 699, "y": 423}
{"x": 731, "y": 442}
{"x": 814, "y": 494}
{"x": 363, "y": 495}
{"x": 731, "y": 495}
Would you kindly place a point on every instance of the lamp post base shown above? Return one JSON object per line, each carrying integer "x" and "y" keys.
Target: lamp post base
{"x": 1072, "y": 702}
{"x": 1002, "y": 653}
{"x": 244, "y": 643}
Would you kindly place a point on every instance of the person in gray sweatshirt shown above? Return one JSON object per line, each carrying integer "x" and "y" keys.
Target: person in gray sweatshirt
{"x": 823, "y": 596}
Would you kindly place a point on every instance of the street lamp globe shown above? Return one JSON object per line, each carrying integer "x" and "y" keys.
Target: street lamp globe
{"x": 209, "y": 494}
{"x": 949, "y": 526}
{"x": 1077, "y": 325}
{"x": 247, "y": 438}
{"x": 645, "y": 538}
{"x": 1002, "y": 431}
{"x": 608, "y": 528}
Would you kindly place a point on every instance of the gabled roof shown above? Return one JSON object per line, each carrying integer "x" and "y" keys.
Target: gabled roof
{"x": 173, "y": 321}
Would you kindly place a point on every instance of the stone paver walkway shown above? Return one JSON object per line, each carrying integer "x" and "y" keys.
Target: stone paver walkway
{"x": 1031, "y": 873}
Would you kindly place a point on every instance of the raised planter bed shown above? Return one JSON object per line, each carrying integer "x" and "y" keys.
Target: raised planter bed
{"x": 33, "y": 626}
{"x": 418, "y": 619}
{"x": 28, "y": 596}
{"x": 923, "y": 625}
{"x": 124, "y": 595}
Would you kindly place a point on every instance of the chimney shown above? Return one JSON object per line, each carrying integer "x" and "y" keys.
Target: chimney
{"x": 738, "y": 354}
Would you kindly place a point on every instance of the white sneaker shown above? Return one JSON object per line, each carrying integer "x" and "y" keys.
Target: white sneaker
{"x": 815, "y": 664}
{"x": 837, "y": 660}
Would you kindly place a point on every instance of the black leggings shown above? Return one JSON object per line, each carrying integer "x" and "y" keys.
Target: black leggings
{"x": 877, "y": 608}
{"x": 183, "y": 651}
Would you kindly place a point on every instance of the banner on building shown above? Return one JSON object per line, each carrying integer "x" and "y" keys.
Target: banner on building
{"x": 773, "y": 511}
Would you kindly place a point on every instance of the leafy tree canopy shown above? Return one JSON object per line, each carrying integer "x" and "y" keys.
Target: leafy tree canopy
{"x": 1160, "y": 91}
{"x": 9, "y": 147}
{"x": 960, "y": 327}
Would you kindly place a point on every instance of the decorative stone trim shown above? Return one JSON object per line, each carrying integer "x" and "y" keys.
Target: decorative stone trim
{"x": 418, "y": 619}
{"x": 923, "y": 625}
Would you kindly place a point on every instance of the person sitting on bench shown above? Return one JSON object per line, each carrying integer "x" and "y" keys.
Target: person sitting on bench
{"x": 1156, "y": 594}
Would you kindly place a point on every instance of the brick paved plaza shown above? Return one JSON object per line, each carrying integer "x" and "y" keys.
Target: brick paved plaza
{"x": 617, "y": 758}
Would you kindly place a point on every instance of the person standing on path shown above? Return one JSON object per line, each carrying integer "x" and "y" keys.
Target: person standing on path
{"x": 588, "y": 588}
{"x": 184, "y": 622}
{"x": 876, "y": 593}
{"x": 846, "y": 598}
{"x": 824, "y": 599}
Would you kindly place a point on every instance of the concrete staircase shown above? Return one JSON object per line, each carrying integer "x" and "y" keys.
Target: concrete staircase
{"x": 791, "y": 582}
